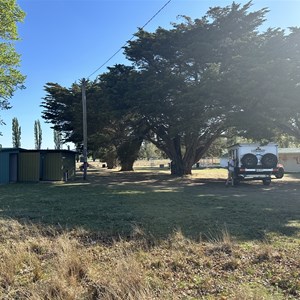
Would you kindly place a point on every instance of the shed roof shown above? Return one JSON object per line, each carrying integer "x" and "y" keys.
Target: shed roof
{"x": 35, "y": 150}
{"x": 49, "y": 150}
{"x": 11, "y": 149}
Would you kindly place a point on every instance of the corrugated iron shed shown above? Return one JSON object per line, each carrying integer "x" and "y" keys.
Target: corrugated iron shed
{"x": 21, "y": 165}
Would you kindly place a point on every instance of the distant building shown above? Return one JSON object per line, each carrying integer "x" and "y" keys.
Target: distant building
{"x": 290, "y": 158}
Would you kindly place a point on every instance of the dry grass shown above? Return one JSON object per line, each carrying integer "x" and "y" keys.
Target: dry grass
{"x": 65, "y": 262}
{"x": 41, "y": 263}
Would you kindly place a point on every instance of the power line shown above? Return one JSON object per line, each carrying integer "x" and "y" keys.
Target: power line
{"x": 111, "y": 57}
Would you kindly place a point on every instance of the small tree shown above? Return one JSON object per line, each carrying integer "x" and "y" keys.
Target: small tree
{"x": 57, "y": 140}
{"x": 10, "y": 76}
{"x": 16, "y": 133}
{"x": 37, "y": 134}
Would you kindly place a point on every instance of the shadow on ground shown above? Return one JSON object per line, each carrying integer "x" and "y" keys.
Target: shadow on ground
{"x": 112, "y": 204}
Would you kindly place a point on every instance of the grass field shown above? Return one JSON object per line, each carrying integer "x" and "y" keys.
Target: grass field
{"x": 148, "y": 235}
{"x": 112, "y": 203}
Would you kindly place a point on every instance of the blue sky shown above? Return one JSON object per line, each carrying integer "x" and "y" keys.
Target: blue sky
{"x": 65, "y": 40}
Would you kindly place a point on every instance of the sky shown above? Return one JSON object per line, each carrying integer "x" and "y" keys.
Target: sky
{"x": 63, "y": 41}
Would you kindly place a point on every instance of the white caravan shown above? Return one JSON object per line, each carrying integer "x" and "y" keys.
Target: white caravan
{"x": 255, "y": 162}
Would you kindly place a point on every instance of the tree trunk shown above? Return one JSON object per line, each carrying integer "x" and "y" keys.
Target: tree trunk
{"x": 178, "y": 165}
{"x": 128, "y": 153}
{"x": 111, "y": 160}
{"x": 127, "y": 165}
{"x": 178, "y": 169}
{"x": 181, "y": 166}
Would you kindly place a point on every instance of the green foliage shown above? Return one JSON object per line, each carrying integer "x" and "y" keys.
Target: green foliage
{"x": 111, "y": 118}
{"x": 37, "y": 134}
{"x": 150, "y": 151}
{"x": 10, "y": 76}
{"x": 217, "y": 148}
{"x": 211, "y": 75}
{"x": 16, "y": 133}
{"x": 286, "y": 141}
{"x": 188, "y": 86}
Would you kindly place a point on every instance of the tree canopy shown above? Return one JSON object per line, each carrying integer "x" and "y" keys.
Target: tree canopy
{"x": 114, "y": 129}
{"x": 208, "y": 75}
{"x": 188, "y": 86}
{"x": 10, "y": 77}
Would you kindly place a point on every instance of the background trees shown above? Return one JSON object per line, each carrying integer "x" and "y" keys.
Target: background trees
{"x": 57, "y": 139}
{"x": 37, "y": 134}
{"x": 16, "y": 133}
{"x": 10, "y": 76}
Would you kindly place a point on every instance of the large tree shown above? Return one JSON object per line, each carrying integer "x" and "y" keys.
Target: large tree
{"x": 208, "y": 75}
{"x": 118, "y": 87}
{"x": 10, "y": 76}
{"x": 188, "y": 86}
{"x": 63, "y": 109}
{"x": 114, "y": 130}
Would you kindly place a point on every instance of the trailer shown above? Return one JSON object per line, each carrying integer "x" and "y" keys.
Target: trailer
{"x": 255, "y": 162}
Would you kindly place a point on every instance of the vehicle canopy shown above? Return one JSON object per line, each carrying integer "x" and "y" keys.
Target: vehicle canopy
{"x": 254, "y": 155}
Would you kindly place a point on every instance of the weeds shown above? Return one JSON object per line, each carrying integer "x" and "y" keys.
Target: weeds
{"x": 36, "y": 265}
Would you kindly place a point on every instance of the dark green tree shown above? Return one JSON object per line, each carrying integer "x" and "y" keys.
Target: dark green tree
{"x": 10, "y": 76}
{"x": 210, "y": 75}
{"x": 63, "y": 109}
{"x": 114, "y": 127}
{"x": 16, "y": 133}
{"x": 189, "y": 85}
{"x": 118, "y": 86}
{"x": 37, "y": 134}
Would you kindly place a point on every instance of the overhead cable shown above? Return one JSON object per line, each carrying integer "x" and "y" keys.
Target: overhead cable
{"x": 111, "y": 57}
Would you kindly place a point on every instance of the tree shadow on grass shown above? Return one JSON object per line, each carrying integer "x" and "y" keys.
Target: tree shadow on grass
{"x": 111, "y": 204}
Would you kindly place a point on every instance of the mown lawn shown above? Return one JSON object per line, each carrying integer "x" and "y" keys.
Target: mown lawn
{"x": 113, "y": 203}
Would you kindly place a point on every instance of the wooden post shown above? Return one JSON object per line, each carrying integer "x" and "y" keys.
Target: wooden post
{"x": 84, "y": 125}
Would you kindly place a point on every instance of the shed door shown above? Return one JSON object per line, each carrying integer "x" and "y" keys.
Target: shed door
{"x": 13, "y": 167}
{"x": 52, "y": 167}
{"x": 29, "y": 166}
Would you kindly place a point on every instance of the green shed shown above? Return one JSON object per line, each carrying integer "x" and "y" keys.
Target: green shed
{"x": 57, "y": 164}
{"x": 21, "y": 165}
{"x": 29, "y": 166}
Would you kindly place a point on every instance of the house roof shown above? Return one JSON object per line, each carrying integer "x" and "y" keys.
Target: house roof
{"x": 289, "y": 150}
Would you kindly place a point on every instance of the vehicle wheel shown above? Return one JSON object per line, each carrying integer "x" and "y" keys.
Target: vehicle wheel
{"x": 249, "y": 160}
{"x": 280, "y": 173}
{"x": 269, "y": 160}
{"x": 267, "y": 181}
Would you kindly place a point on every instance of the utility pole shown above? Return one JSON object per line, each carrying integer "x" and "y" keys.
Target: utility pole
{"x": 84, "y": 122}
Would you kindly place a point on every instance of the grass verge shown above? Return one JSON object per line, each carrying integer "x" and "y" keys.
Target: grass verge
{"x": 150, "y": 236}
{"x": 45, "y": 264}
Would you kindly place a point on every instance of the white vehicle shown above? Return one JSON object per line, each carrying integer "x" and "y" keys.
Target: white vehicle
{"x": 255, "y": 162}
